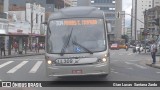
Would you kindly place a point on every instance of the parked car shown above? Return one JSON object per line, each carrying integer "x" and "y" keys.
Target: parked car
{"x": 114, "y": 46}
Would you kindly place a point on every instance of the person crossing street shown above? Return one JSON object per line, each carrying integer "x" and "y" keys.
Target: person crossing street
{"x": 2, "y": 48}
{"x": 153, "y": 51}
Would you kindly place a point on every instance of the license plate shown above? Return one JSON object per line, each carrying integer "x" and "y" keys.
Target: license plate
{"x": 67, "y": 61}
{"x": 76, "y": 71}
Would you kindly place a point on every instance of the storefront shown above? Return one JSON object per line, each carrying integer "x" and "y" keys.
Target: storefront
{"x": 2, "y": 35}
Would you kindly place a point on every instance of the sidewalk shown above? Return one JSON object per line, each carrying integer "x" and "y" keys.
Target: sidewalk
{"x": 157, "y": 65}
{"x": 28, "y": 53}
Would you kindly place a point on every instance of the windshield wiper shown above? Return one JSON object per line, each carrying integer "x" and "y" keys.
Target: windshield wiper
{"x": 75, "y": 43}
{"x": 66, "y": 43}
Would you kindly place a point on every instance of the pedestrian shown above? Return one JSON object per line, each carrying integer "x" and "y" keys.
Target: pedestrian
{"x": 41, "y": 45}
{"x": 140, "y": 48}
{"x": 2, "y": 48}
{"x": 127, "y": 46}
{"x": 153, "y": 51}
{"x": 16, "y": 47}
{"x": 37, "y": 47}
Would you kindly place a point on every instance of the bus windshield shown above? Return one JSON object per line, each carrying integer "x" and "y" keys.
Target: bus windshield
{"x": 79, "y": 35}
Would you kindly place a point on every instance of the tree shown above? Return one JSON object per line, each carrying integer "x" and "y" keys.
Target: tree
{"x": 125, "y": 37}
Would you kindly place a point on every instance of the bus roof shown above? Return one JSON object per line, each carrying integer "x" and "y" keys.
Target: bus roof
{"x": 77, "y": 12}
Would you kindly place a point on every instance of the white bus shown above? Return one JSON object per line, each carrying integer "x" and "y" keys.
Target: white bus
{"x": 77, "y": 43}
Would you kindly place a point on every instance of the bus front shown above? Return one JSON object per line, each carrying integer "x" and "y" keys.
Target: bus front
{"x": 77, "y": 47}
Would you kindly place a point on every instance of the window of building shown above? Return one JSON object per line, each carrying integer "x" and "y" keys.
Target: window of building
{"x": 92, "y": 1}
{"x": 41, "y": 18}
{"x": 0, "y": 26}
{"x": 1, "y": 5}
{"x": 36, "y": 18}
{"x": 5, "y": 27}
{"x": 111, "y": 8}
{"x": 104, "y": 1}
{"x": 149, "y": 5}
{"x": 113, "y": 1}
{"x": 104, "y": 8}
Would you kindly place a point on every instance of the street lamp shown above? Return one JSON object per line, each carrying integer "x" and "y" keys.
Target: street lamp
{"x": 133, "y": 17}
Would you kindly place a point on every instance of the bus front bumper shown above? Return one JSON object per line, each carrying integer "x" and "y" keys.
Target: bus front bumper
{"x": 79, "y": 70}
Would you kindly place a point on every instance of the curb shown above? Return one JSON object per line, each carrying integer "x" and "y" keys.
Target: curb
{"x": 24, "y": 55}
{"x": 155, "y": 66}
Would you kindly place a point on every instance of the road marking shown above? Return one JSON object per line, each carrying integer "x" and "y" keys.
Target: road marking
{"x": 114, "y": 72}
{"x": 112, "y": 69}
{"x": 130, "y": 68}
{"x": 35, "y": 67}
{"x": 158, "y": 72}
{"x": 4, "y": 64}
{"x": 128, "y": 63}
{"x": 141, "y": 66}
{"x": 130, "y": 54}
{"x": 124, "y": 60}
{"x": 17, "y": 67}
{"x": 136, "y": 65}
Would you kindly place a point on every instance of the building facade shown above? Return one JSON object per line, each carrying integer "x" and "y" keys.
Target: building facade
{"x": 3, "y": 21}
{"x": 156, "y": 3}
{"x": 138, "y": 8}
{"x": 112, "y": 9}
{"x": 28, "y": 21}
{"x": 50, "y": 5}
{"x": 123, "y": 23}
{"x": 150, "y": 16}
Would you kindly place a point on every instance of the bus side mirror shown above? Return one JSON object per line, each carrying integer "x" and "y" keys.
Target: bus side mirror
{"x": 109, "y": 28}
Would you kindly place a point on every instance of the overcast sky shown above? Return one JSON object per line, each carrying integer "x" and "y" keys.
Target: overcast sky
{"x": 127, "y": 5}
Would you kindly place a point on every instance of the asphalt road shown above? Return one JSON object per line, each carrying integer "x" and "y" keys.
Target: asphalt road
{"x": 125, "y": 66}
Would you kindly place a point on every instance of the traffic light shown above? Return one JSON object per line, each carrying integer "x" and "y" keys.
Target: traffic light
{"x": 146, "y": 32}
{"x": 156, "y": 21}
{"x": 118, "y": 14}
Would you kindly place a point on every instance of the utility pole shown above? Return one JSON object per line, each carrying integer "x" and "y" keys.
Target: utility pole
{"x": 135, "y": 24}
{"x": 31, "y": 26}
{"x": 145, "y": 27}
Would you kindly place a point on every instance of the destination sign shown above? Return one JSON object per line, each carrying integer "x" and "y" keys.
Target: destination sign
{"x": 76, "y": 22}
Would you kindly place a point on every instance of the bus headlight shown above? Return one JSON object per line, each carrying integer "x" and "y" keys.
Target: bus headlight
{"x": 103, "y": 60}
{"x": 49, "y": 62}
